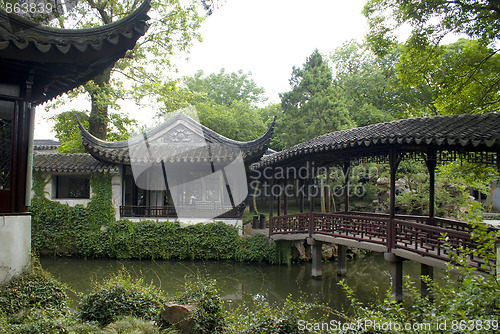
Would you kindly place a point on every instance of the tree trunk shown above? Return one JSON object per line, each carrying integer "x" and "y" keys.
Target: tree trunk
{"x": 98, "y": 120}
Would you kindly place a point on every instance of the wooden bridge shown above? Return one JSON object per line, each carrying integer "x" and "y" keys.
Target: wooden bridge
{"x": 416, "y": 238}
{"x": 431, "y": 140}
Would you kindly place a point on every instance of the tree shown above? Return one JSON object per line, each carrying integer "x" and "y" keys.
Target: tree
{"x": 431, "y": 21}
{"x": 68, "y": 133}
{"x": 464, "y": 76}
{"x": 371, "y": 86}
{"x": 313, "y": 107}
{"x": 142, "y": 72}
{"x": 224, "y": 89}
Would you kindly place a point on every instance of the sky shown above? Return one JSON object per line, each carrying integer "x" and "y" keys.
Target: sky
{"x": 264, "y": 37}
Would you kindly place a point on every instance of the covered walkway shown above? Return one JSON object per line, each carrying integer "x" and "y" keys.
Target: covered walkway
{"x": 434, "y": 140}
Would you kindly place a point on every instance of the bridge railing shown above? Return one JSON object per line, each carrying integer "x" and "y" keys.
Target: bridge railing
{"x": 420, "y": 235}
{"x": 360, "y": 228}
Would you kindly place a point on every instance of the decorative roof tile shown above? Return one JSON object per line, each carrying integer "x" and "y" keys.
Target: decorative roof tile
{"x": 469, "y": 132}
{"x": 71, "y": 163}
{"x": 177, "y": 141}
{"x": 57, "y": 60}
{"x": 46, "y": 144}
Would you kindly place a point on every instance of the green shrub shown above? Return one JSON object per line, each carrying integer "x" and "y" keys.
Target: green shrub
{"x": 121, "y": 295}
{"x": 258, "y": 248}
{"x": 34, "y": 289}
{"x": 264, "y": 318}
{"x": 209, "y": 316}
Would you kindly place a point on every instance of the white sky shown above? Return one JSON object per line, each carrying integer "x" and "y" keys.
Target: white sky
{"x": 265, "y": 37}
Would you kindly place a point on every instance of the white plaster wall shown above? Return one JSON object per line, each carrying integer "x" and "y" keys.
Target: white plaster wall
{"x": 15, "y": 245}
{"x": 496, "y": 199}
{"x": 238, "y": 223}
{"x": 116, "y": 188}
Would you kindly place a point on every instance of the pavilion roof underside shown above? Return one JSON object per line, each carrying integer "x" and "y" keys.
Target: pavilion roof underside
{"x": 57, "y": 60}
{"x": 474, "y": 138}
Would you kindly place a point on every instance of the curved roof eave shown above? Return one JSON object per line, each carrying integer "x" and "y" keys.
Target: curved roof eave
{"x": 93, "y": 145}
{"x": 468, "y": 132}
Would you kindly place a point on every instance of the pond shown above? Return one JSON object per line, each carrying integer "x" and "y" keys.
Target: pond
{"x": 237, "y": 282}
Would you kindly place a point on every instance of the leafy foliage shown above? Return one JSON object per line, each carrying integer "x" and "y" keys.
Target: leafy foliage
{"x": 209, "y": 315}
{"x": 225, "y": 89}
{"x": 121, "y": 295}
{"x": 143, "y": 70}
{"x": 264, "y": 318}
{"x": 34, "y": 289}
{"x": 471, "y": 306}
{"x": 313, "y": 107}
{"x": 68, "y": 133}
{"x": 92, "y": 231}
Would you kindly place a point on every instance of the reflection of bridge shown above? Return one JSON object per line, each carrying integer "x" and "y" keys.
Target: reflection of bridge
{"x": 433, "y": 141}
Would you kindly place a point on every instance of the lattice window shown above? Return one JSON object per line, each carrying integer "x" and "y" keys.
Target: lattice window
{"x": 5, "y": 153}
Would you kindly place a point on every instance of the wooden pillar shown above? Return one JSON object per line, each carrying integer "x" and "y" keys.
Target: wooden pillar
{"x": 285, "y": 199}
{"x": 310, "y": 188}
{"x": 346, "y": 169}
{"x": 430, "y": 162}
{"x": 279, "y": 200}
{"x": 271, "y": 201}
{"x": 300, "y": 183}
{"x": 396, "y": 271}
{"x": 317, "y": 257}
{"x": 426, "y": 270}
{"x": 341, "y": 260}
{"x": 391, "y": 230}
{"x": 328, "y": 192}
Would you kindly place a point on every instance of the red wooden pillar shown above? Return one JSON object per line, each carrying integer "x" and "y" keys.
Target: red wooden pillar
{"x": 430, "y": 162}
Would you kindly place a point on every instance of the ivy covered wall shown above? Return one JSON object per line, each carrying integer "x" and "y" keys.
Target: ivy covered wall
{"x": 93, "y": 231}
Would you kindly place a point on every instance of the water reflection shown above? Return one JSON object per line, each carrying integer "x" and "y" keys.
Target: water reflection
{"x": 238, "y": 282}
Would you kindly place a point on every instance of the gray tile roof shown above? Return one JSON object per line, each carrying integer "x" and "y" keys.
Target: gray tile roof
{"x": 71, "y": 163}
{"x": 63, "y": 59}
{"x": 216, "y": 147}
{"x": 46, "y": 144}
{"x": 475, "y": 132}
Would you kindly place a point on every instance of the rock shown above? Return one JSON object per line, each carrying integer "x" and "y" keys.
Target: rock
{"x": 247, "y": 229}
{"x": 328, "y": 252}
{"x": 299, "y": 246}
{"x": 180, "y": 316}
{"x": 382, "y": 181}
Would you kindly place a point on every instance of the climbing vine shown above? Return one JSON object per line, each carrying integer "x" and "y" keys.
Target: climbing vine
{"x": 92, "y": 231}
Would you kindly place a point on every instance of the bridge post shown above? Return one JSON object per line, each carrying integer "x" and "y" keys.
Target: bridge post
{"x": 391, "y": 230}
{"x": 396, "y": 271}
{"x": 285, "y": 198}
{"x": 426, "y": 270}
{"x": 341, "y": 260}
{"x": 316, "y": 247}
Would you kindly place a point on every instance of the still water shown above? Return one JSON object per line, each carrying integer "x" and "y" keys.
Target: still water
{"x": 237, "y": 282}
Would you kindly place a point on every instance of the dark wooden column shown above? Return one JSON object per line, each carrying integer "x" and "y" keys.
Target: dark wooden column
{"x": 393, "y": 165}
{"x": 426, "y": 270}
{"x": 300, "y": 183}
{"x": 430, "y": 162}
{"x": 279, "y": 199}
{"x": 311, "y": 184}
{"x": 346, "y": 168}
{"x": 285, "y": 199}
{"x": 271, "y": 200}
